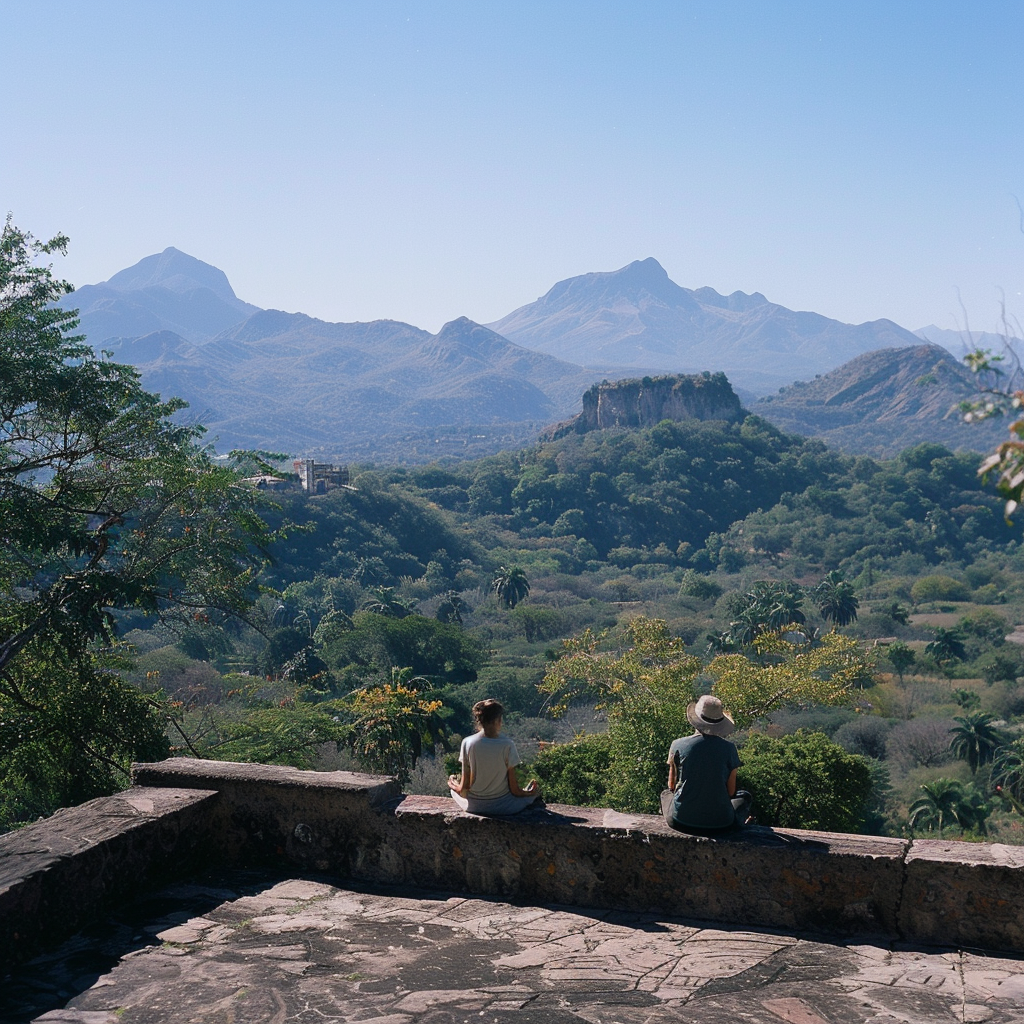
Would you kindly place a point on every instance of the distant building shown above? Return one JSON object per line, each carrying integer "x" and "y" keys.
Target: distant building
{"x": 266, "y": 482}
{"x": 318, "y": 477}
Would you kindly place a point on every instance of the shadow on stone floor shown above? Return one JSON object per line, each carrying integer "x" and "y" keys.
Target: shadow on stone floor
{"x": 50, "y": 980}
{"x": 713, "y": 968}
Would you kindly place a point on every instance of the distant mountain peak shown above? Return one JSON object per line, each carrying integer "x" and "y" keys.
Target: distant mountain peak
{"x": 637, "y": 316}
{"x": 737, "y": 301}
{"x": 176, "y": 271}
{"x": 168, "y": 291}
{"x": 648, "y": 270}
{"x": 631, "y": 282}
{"x": 884, "y": 401}
{"x": 460, "y": 325}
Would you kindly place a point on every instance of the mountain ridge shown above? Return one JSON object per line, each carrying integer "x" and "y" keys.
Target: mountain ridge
{"x": 273, "y": 379}
{"x": 884, "y": 401}
{"x": 168, "y": 291}
{"x": 637, "y": 316}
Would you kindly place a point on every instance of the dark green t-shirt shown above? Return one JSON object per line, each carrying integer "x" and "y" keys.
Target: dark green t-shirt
{"x": 703, "y": 765}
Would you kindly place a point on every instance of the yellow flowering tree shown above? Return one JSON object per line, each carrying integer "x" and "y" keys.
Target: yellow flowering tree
{"x": 783, "y": 673}
{"x": 646, "y": 678}
{"x": 596, "y": 665}
{"x": 387, "y": 726}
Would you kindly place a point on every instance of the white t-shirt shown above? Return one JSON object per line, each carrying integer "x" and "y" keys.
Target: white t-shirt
{"x": 489, "y": 760}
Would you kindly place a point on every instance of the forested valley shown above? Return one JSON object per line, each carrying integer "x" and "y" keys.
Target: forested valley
{"x": 853, "y": 614}
{"x": 378, "y": 626}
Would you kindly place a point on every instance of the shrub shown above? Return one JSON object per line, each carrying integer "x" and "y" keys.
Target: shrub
{"x": 643, "y": 724}
{"x": 865, "y": 736}
{"x": 1006, "y": 663}
{"x": 538, "y": 623}
{"x": 919, "y": 741}
{"x": 939, "y": 588}
{"x": 805, "y": 781}
{"x": 516, "y": 688}
{"x": 571, "y": 523}
{"x": 576, "y": 772}
{"x": 696, "y": 585}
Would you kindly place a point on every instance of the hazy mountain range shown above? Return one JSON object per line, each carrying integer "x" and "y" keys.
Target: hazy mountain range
{"x": 961, "y": 342}
{"x": 884, "y": 401}
{"x": 388, "y": 390}
{"x": 638, "y": 316}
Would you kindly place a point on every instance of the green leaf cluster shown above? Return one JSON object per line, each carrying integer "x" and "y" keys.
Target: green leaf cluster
{"x": 804, "y": 780}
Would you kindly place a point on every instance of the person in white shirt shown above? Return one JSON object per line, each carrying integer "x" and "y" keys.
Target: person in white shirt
{"x": 489, "y": 784}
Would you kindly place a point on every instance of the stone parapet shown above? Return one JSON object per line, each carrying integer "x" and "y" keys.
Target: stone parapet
{"x": 271, "y": 815}
{"x": 971, "y": 894}
{"x": 841, "y": 884}
{"x": 360, "y": 827}
{"x": 58, "y": 874}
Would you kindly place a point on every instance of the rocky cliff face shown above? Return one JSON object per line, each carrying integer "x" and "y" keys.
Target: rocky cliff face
{"x": 649, "y": 400}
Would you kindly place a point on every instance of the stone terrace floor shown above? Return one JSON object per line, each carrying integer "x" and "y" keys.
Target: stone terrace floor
{"x": 236, "y": 948}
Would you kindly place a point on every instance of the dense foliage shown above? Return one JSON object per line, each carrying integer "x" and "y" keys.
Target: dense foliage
{"x": 107, "y": 504}
{"x": 805, "y": 781}
{"x": 595, "y": 584}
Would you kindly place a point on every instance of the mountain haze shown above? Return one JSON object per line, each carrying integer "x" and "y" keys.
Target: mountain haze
{"x": 961, "y": 342}
{"x": 289, "y": 381}
{"x": 638, "y": 316}
{"x": 882, "y": 402}
{"x": 170, "y": 291}
{"x": 390, "y": 391}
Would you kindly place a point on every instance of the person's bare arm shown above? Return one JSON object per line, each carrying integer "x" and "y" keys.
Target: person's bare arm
{"x": 514, "y": 787}
{"x": 461, "y": 786}
{"x": 672, "y": 780}
{"x": 730, "y": 783}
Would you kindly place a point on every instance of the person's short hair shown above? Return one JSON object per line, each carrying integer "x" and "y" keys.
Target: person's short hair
{"x": 487, "y": 711}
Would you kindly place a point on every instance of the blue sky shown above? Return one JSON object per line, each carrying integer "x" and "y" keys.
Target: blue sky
{"x": 423, "y": 161}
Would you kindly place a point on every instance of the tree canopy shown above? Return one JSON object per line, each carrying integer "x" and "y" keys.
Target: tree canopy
{"x": 108, "y": 503}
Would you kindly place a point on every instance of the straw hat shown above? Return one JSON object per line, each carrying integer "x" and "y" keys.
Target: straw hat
{"x": 707, "y": 716}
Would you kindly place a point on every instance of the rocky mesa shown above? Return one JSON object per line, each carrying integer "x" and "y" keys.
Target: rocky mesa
{"x": 644, "y": 401}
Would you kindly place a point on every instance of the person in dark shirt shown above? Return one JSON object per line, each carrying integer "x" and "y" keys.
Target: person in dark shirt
{"x": 702, "y": 797}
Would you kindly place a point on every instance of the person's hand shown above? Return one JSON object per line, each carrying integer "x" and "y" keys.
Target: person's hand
{"x": 532, "y": 787}
{"x": 455, "y": 783}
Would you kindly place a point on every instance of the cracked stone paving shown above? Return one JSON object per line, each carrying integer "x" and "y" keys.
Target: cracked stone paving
{"x": 241, "y": 947}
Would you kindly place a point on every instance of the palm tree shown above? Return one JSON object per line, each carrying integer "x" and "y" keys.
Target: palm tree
{"x": 283, "y": 615}
{"x": 836, "y": 600}
{"x": 778, "y": 602}
{"x": 1008, "y": 769}
{"x": 383, "y": 601}
{"x": 510, "y": 585}
{"x": 719, "y": 643}
{"x": 896, "y": 612}
{"x": 947, "y": 646}
{"x": 944, "y": 802}
{"x": 451, "y": 608}
{"x": 975, "y": 740}
{"x": 746, "y": 627}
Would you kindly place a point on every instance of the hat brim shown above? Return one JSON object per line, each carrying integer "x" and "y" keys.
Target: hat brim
{"x": 723, "y": 728}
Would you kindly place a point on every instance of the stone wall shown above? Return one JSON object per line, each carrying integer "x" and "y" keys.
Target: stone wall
{"x": 57, "y": 875}
{"x": 361, "y": 827}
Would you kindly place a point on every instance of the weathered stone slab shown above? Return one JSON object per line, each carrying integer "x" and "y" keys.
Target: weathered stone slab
{"x": 59, "y": 873}
{"x": 382, "y": 957}
{"x": 971, "y": 894}
{"x": 195, "y": 773}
